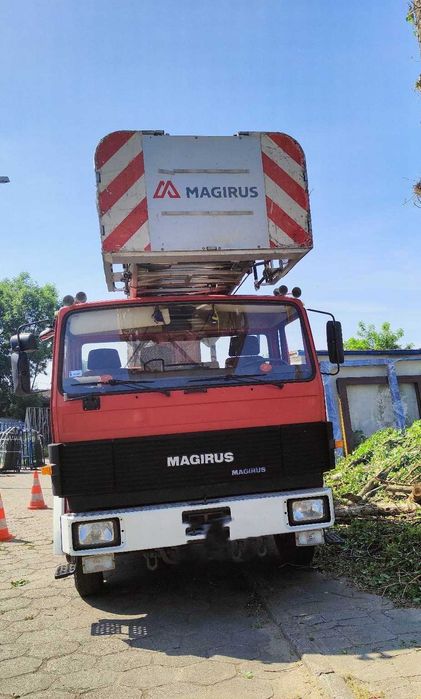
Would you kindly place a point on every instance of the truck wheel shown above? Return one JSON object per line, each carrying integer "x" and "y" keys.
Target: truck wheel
{"x": 292, "y": 554}
{"x": 87, "y": 584}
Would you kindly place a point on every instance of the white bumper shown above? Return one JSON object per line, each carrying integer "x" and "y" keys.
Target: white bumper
{"x": 162, "y": 526}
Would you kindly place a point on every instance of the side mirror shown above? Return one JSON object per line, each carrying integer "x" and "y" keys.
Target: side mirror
{"x": 23, "y": 342}
{"x": 335, "y": 345}
{"x": 20, "y": 373}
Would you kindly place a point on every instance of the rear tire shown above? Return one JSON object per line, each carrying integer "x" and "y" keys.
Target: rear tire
{"x": 290, "y": 553}
{"x": 87, "y": 584}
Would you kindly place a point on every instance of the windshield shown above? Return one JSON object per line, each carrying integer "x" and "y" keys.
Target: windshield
{"x": 183, "y": 345}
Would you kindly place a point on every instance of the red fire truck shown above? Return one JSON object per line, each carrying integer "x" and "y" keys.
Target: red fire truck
{"x": 187, "y": 413}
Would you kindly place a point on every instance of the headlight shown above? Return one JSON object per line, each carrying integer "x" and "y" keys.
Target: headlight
{"x": 308, "y": 510}
{"x": 97, "y": 534}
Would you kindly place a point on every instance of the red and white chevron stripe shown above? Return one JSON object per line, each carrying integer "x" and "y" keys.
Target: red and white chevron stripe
{"x": 122, "y": 204}
{"x": 287, "y": 201}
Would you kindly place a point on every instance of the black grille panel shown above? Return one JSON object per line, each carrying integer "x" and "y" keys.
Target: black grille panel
{"x": 170, "y": 468}
{"x": 88, "y": 465}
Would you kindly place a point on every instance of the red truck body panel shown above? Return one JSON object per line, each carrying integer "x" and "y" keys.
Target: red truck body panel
{"x": 143, "y": 414}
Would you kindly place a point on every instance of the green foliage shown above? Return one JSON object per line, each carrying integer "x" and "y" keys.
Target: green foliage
{"x": 19, "y": 583}
{"x": 378, "y": 556}
{"x": 410, "y": 16}
{"x": 371, "y": 339}
{"x": 22, "y": 301}
{"x": 388, "y": 448}
{"x": 248, "y": 675}
{"x": 413, "y": 17}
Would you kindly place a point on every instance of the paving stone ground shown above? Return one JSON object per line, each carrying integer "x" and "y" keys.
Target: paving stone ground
{"x": 192, "y": 631}
{"x": 356, "y": 643}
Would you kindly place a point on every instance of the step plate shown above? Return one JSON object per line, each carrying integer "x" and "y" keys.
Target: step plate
{"x": 64, "y": 570}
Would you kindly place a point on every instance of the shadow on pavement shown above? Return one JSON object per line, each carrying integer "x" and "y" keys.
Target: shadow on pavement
{"x": 214, "y": 608}
{"x": 195, "y": 608}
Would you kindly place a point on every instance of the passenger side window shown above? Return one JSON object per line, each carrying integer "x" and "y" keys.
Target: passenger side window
{"x": 294, "y": 343}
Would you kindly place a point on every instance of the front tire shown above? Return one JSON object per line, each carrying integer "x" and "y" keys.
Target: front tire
{"x": 290, "y": 553}
{"x": 87, "y": 584}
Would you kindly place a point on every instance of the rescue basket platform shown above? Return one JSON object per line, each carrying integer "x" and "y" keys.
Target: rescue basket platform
{"x": 193, "y": 214}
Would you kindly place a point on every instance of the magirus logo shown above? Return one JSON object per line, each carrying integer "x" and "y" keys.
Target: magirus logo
{"x": 167, "y": 188}
{"x": 248, "y": 471}
{"x": 221, "y": 192}
{"x": 197, "y": 459}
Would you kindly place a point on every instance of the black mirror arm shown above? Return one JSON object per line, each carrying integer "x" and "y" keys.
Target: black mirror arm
{"x": 331, "y": 373}
{"x": 326, "y": 313}
{"x": 28, "y": 325}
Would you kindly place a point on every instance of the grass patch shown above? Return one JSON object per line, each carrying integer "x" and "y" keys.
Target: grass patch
{"x": 248, "y": 675}
{"x": 19, "y": 583}
{"x": 360, "y": 690}
{"x": 378, "y": 556}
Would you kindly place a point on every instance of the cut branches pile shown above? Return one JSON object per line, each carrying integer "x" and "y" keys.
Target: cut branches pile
{"x": 377, "y": 492}
{"x": 381, "y": 478}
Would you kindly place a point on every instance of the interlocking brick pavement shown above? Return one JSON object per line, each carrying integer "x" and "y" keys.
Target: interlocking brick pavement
{"x": 342, "y": 633}
{"x": 194, "y": 631}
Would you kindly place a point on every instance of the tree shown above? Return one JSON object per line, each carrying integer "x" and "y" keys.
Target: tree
{"x": 414, "y": 17}
{"x": 22, "y": 301}
{"x": 371, "y": 339}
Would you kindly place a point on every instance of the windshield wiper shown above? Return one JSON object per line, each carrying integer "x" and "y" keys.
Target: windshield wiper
{"x": 109, "y": 382}
{"x": 245, "y": 378}
{"x": 135, "y": 383}
{"x": 80, "y": 396}
{"x": 240, "y": 378}
{"x": 132, "y": 383}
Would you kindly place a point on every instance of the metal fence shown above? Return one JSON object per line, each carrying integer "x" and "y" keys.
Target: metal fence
{"x": 38, "y": 419}
{"x": 6, "y": 422}
{"x": 20, "y": 447}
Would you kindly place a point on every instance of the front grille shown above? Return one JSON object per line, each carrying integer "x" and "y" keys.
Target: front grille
{"x": 199, "y": 465}
{"x": 87, "y": 466}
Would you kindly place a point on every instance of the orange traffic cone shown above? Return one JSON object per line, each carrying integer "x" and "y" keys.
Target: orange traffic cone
{"x": 37, "y": 499}
{"x": 5, "y": 535}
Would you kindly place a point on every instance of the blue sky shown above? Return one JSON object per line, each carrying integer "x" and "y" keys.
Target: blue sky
{"x": 337, "y": 76}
